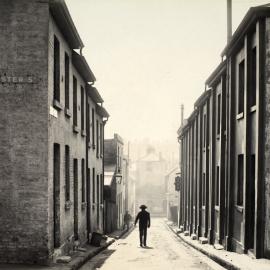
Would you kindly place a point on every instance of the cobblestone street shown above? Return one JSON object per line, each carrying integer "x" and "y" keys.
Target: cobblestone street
{"x": 164, "y": 251}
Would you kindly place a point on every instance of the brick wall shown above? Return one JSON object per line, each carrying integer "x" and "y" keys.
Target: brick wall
{"x": 97, "y": 163}
{"x": 267, "y": 142}
{"x": 110, "y": 151}
{"x": 61, "y": 131}
{"x": 24, "y": 133}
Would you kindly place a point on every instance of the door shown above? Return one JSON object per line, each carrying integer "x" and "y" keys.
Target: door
{"x": 98, "y": 200}
{"x": 56, "y": 195}
{"x": 251, "y": 221}
{"x": 76, "y": 204}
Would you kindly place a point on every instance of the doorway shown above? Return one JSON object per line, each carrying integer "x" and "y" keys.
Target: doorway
{"x": 56, "y": 194}
{"x": 251, "y": 219}
{"x": 76, "y": 204}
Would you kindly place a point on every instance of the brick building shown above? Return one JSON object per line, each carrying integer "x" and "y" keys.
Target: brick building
{"x": 52, "y": 126}
{"x": 225, "y": 196}
{"x": 115, "y": 171}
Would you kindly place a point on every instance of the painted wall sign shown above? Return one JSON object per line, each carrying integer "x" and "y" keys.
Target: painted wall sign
{"x": 16, "y": 79}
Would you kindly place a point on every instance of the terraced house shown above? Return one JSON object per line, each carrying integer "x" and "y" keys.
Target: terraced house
{"x": 52, "y": 125}
{"x": 225, "y": 156}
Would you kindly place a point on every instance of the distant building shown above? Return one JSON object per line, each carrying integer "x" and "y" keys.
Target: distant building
{"x": 51, "y": 122}
{"x": 132, "y": 190}
{"x": 114, "y": 183}
{"x": 225, "y": 156}
{"x": 150, "y": 188}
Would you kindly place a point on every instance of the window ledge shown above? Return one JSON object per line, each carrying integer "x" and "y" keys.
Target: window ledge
{"x": 68, "y": 205}
{"x": 203, "y": 207}
{"x": 218, "y": 136}
{"x": 253, "y": 109}
{"x": 83, "y": 133}
{"x": 217, "y": 207}
{"x": 239, "y": 208}
{"x": 240, "y": 116}
{"x": 83, "y": 205}
{"x": 75, "y": 129}
{"x": 67, "y": 113}
{"x": 57, "y": 105}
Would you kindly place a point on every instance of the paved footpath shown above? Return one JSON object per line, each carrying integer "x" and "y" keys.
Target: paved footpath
{"x": 165, "y": 252}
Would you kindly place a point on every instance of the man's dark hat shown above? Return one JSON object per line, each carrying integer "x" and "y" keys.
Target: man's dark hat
{"x": 143, "y": 206}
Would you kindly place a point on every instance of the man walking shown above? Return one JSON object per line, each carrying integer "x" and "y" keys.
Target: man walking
{"x": 127, "y": 218}
{"x": 144, "y": 223}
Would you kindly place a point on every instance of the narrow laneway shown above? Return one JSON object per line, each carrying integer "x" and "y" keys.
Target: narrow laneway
{"x": 165, "y": 251}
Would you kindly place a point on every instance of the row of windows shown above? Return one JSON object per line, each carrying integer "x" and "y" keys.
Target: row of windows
{"x": 95, "y": 128}
{"x": 241, "y": 92}
{"x": 239, "y": 183}
{"x": 97, "y": 179}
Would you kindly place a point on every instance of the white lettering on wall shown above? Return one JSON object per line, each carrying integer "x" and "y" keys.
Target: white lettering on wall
{"x": 16, "y": 79}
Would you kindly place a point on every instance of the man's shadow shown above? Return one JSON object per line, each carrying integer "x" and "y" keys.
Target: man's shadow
{"x": 148, "y": 247}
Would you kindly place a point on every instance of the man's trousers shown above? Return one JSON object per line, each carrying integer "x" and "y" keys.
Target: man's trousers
{"x": 143, "y": 235}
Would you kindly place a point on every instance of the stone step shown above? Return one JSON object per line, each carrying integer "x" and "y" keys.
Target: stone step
{"x": 203, "y": 240}
{"x": 186, "y": 233}
{"x": 218, "y": 246}
{"x": 63, "y": 259}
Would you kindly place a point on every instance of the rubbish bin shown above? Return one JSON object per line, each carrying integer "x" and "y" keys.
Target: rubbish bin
{"x": 96, "y": 239}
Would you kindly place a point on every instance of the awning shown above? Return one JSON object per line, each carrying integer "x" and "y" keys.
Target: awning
{"x": 102, "y": 111}
{"x": 94, "y": 94}
{"x": 82, "y": 67}
{"x": 65, "y": 23}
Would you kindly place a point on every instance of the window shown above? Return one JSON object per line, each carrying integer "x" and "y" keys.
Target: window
{"x": 88, "y": 123}
{"x": 253, "y": 77}
{"x": 66, "y": 81}
{"x": 218, "y": 113}
{"x": 203, "y": 190}
{"x": 93, "y": 186}
{"x": 241, "y": 86}
{"x": 240, "y": 180}
{"x": 56, "y": 70}
{"x": 82, "y": 108}
{"x": 101, "y": 188}
{"x": 67, "y": 173}
{"x": 204, "y": 130}
{"x": 97, "y": 137}
{"x": 101, "y": 138}
{"x": 98, "y": 189}
{"x": 75, "y": 118}
{"x": 217, "y": 187}
{"x": 93, "y": 127}
{"x": 83, "y": 181}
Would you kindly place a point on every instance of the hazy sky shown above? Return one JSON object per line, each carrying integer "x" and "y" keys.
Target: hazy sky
{"x": 149, "y": 56}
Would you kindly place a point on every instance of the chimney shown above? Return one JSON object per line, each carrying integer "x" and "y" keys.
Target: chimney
{"x": 182, "y": 114}
{"x": 229, "y": 20}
